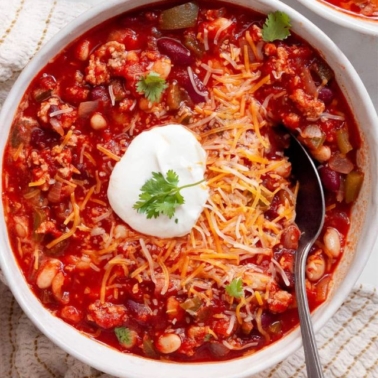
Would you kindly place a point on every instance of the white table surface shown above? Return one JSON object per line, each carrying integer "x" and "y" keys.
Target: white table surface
{"x": 362, "y": 51}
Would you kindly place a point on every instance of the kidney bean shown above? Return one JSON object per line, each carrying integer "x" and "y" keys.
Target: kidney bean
{"x": 267, "y": 319}
{"x": 184, "y": 81}
{"x": 218, "y": 349}
{"x": 100, "y": 93}
{"x": 326, "y": 95}
{"x": 42, "y": 138}
{"x": 177, "y": 52}
{"x": 330, "y": 179}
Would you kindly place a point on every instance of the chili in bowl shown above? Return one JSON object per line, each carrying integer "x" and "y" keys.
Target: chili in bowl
{"x": 359, "y": 15}
{"x": 149, "y": 208}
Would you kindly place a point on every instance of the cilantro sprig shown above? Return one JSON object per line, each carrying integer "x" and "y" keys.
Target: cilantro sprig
{"x": 235, "y": 288}
{"x": 277, "y": 26}
{"x": 161, "y": 195}
{"x": 152, "y": 86}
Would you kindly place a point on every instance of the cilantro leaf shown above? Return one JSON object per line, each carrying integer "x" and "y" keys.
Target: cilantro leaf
{"x": 152, "y": 86}
{"x": 235, "y": 288}
{"x": 161, "y": 195}
{"x": 172, "y": 177}
{"x": 125, "y": 336}
{"x": 277, "y": 26}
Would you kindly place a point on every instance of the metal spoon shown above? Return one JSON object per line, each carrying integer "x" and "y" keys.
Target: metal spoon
{"x": 310, "y": 210}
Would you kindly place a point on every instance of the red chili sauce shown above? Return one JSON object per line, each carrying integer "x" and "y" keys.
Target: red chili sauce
{"x": 55, "y": 177}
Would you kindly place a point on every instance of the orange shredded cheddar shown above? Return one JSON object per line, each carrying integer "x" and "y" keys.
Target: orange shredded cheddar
{"x": 108, "y": 153}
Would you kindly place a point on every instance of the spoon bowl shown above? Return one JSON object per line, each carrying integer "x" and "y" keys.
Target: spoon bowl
{"x": 310, "y": 212}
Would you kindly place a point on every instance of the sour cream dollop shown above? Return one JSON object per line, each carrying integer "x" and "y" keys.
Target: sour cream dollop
{"x": 163, "y": 148}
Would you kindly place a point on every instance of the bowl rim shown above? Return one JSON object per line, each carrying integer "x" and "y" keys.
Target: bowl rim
{"x": 342, "y": 17}
{"x": 103, "y": 357}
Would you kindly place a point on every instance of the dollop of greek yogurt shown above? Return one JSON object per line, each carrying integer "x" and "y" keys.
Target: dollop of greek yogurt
{"x": 160, "y": 149}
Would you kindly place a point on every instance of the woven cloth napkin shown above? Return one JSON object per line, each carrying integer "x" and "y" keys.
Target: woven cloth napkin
{"x": 348, "y": 343}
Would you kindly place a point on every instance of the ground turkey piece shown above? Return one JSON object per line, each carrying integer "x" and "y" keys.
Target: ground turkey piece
{"x": 107, "y": 315}
{"x": 309, "y": 106}
{"x": 109, "y": 57}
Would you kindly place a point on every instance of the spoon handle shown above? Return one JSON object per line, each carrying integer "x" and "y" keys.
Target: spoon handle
{"x": 313, "y": 364}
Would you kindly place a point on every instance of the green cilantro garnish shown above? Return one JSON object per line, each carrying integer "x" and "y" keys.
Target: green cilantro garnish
{"x": 235, "y": 288}
{"x": 124, "y": 336}
{"x": 277, "y": 26}
{"x": 161, "y": 195}
{"x": 152, "y": 86}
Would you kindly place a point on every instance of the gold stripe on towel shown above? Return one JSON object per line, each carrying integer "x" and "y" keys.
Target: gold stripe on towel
{"x": 36, "y": 355}
{"x": 339, "y": 350}
{"x": 47, "y": 23}
{"x": 7, "y": 32}
{"x": 298, "y": 371}
{"x": 357, "y": 358}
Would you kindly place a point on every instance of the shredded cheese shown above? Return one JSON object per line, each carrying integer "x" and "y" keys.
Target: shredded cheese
{"x": 225, "y": 26}
{"x": 108, "y": 153}
{"x": 76, "y": 222}
{"x": 60, "y": 111}
{"x": 192, "y": 80}
{"x": 111, "y": 94}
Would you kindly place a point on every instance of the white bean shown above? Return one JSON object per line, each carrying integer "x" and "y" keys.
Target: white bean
{"x": 173, "y": 307}
{"x": 21, "y": 227}
{"x": 98, "y": 121}
{"x": 162, "y": 67}
{"x": 56, "y": 288}
{"x": 322, "y": 154}
{"x": 83, "y": 50}
{"x": 332, "y": 242}
{"x": 21, "y": 230}
{"x": 47, "y": 273}
{"x": 315, "y": 266}
{"x": 168, "y": 343}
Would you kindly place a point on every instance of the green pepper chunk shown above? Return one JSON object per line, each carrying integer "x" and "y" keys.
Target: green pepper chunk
{"x": 148, "y": 347}
{"x": 324, "y": 72}
{"x": 191, "y": 305}
{"x": 180, "y": 17}
{"x": 353, "y": 184}
{"x": 192, "y": 43}
{"x": 343, "y": 143}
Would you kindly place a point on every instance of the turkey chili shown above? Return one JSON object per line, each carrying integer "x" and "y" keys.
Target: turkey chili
{"x": 148, "y": 198}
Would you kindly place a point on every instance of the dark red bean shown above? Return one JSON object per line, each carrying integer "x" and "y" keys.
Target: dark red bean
{"x": 218, "y": 349}
{"x": 139, "y": 311}
{"x": 177, "y": 52}
{"x": 184, "y": 81}
{"x": 100, "y": 93}
{"x": 326, "y": 95}
{"x": 267, "y": 319}
{"x": 42, "y": 138}
{"x": 330, "y": 179}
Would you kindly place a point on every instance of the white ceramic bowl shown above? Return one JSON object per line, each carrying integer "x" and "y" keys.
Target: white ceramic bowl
{"x": 342, "y": 17}
{"x": 361, "y": 241}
